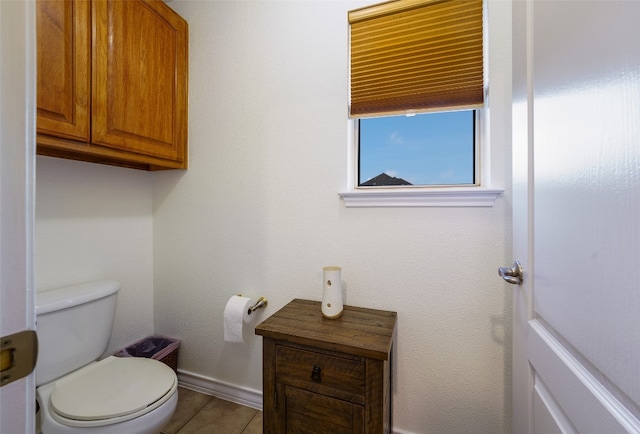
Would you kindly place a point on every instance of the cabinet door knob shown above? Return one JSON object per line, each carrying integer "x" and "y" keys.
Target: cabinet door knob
{"x": 315, "y": 374}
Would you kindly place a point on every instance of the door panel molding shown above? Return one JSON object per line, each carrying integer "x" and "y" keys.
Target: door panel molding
{"x": 550, "y": 417}
{"x": 588, "y": 404}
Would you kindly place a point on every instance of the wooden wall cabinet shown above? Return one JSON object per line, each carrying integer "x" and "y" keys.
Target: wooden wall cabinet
{"x": 327, "y": 375}
{"x": 112, "y": 82}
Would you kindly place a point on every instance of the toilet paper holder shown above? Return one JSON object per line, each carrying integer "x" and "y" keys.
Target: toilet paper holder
{"x": 262, "y": 302}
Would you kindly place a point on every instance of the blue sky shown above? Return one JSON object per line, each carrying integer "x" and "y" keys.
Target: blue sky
{"x": 426, "y": 149}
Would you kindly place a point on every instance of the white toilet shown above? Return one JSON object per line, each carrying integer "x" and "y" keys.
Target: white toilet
{"x": 78, "y": 394}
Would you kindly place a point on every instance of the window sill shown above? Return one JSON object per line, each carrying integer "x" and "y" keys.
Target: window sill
{"x": 437, "y": 197}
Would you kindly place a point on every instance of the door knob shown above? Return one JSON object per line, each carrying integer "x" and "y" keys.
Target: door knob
{"x": 512, "y": 275}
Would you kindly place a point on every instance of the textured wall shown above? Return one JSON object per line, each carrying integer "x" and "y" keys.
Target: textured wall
{"x": 95, "y": 222}
{"x": 258, "y": 213}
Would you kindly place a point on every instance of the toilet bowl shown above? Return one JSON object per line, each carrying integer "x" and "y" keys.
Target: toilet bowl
{"x": 79, "y": 394}
{"x": 112, "y": 396}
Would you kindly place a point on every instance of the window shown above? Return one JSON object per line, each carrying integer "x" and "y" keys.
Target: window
{"x": 416, "y": 66}
{"x": 433, "y": 149}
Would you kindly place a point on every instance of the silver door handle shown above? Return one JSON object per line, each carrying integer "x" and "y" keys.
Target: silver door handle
{"x": 512, "y": 275}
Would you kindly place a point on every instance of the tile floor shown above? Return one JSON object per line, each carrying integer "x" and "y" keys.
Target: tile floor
{"x": 198, "y": 413}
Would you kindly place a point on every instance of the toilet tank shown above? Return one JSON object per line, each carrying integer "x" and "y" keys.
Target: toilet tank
{"x": 74, "y": 326}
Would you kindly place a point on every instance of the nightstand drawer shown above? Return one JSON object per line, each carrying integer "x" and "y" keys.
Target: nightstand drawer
{"x": 341, "y": 377}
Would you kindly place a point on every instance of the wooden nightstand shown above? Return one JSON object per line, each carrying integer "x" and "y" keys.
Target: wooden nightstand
{"x": 327, "y": 375}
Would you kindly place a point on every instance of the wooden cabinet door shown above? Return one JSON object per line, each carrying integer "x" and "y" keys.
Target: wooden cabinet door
{"x": 307, "y": 412}
{"x": 139, "y": 80}
{"x": 63, "y": 76}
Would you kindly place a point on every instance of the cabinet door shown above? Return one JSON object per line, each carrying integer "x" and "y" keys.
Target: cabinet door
{"x": 307, "y": 412}
{"x": 63, "y": 78}
{"x": 140, "y": 78}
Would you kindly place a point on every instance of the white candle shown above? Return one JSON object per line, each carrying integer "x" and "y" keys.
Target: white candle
{"x": 332, "y": 303}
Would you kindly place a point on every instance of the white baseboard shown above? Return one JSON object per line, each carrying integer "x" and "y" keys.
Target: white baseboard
{"x": 399, "y": 431}
{"x": 227, "y": 391}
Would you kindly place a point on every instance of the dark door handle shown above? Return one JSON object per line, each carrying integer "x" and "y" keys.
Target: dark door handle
{"x": 315, "y": 374}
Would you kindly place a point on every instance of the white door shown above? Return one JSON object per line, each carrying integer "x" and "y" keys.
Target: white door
{"x": 17, "y": 138}
{"x": 576, "y": 125}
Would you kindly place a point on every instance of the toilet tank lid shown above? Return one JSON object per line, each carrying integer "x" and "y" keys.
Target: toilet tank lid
{"x": 69, "y": 296}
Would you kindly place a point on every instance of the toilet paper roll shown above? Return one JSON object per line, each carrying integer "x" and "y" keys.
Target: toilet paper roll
{"x": 236, "y": 314}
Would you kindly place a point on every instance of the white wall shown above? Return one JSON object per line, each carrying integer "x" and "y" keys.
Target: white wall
{"x": 257, "y": 212}
{"x": 95, "y": 222}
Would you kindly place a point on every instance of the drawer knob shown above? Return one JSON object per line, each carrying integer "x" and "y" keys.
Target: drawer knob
{"x": 315, "y": 374}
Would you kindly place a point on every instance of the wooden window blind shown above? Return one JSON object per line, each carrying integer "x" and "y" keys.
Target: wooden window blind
{"x": 416, "y": 55}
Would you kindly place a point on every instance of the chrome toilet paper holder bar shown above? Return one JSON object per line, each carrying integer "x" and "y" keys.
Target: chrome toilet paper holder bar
{"x": 262, "y": 302}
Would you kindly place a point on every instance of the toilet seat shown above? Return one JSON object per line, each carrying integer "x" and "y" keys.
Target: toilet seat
{"x": 110, "y": 391}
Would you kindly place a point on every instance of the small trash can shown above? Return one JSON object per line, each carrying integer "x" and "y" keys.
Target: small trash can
{"x": 154, "y": 347}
